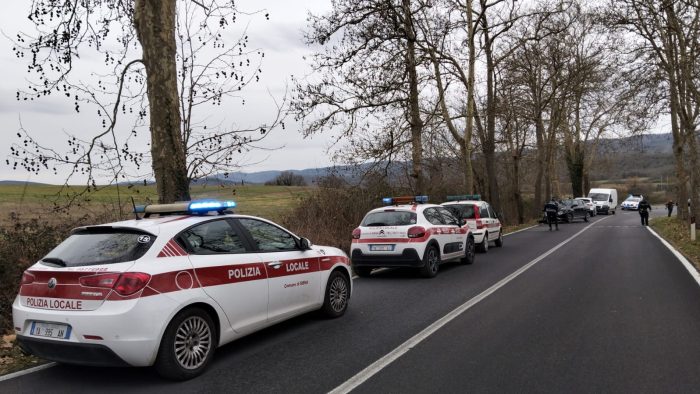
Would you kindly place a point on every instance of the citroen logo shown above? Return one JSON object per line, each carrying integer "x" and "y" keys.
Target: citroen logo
{"x": 52, "y": 283}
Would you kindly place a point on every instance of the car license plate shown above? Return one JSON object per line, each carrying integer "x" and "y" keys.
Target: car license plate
{"x": 381, "y": 248}
{"x": 50, "y": 330}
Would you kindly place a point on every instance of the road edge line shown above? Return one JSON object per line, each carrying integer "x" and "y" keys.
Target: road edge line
{"x": 687, "y": 264}
{"x": 26, "y": 371}
{"x": 372, "y": 369}
{"x": 522, "y": 229}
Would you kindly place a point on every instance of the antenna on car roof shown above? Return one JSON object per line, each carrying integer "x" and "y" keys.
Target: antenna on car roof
{"x": 136, "y": 214}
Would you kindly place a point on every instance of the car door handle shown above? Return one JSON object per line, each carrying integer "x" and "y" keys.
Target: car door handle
{"x": 275, "y": 264}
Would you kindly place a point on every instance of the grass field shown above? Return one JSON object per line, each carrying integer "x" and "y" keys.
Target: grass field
{"x": 677, "y": 233}
{"x": 38, "y": 201}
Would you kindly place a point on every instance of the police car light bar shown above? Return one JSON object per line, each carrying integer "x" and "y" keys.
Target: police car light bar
{"x": 210, "y": 205}
{"x": 404, "y": 200}
{"x": 463, "y": 197}
{"x": 184, "y": 208}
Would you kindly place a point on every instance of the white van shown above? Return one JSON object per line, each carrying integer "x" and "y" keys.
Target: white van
{"x": 605, "y": 200}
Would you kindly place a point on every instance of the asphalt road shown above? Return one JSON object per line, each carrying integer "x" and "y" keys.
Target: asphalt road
{"x": 611, "y": 310}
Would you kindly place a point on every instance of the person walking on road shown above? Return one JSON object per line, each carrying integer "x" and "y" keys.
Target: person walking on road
{"x": 550, "y": 209}
{"x": 644, "y": 208}
{"x": 669, "y": 206}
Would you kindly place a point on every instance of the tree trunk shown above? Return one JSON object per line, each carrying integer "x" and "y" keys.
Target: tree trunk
{"x": 488, "y": 145}
{"x": 541, "y": 164}
{"x": 469, "y": 130}
{"x": 154, "y": 21}
{"x": 517, "y": 195}
{"x": 413, "y": 104}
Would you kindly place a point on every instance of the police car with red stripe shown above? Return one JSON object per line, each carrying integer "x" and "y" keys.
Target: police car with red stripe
{"x": 480, "y": 217}
{"x": 409, "y": 232}
{"x": 168, "y": 288}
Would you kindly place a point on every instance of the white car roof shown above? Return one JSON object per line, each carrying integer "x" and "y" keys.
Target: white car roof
{"x": 404, "y": 207}
{"x": 464, "y": 202}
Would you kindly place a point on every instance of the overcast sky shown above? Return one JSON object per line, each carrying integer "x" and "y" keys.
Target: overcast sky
{"x": 50, "y": 119}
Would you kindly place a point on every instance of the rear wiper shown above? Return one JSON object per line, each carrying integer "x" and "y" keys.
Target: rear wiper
{"x": 54, "y": 260}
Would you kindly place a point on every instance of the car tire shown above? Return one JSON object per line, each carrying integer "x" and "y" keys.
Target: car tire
{"x": 483, "y": 247}
{"x": 570, "y": 217}
{"x": 585, "y": 218}
{"x": 613, "y": 211}
{"x": 469, "y": 252}
{"x": 499, "y": 240}
{"x": 195, "y": 350}
{"x": 363, "y": 272}
{"x": 431, "y": 262}
{"x": 335, "y": 301}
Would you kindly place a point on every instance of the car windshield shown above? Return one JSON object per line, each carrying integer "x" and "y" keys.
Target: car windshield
{"x": 389, "y": 218}
{"x": 585, "y": 200}
{"x": 464, "y": 211}
{"x": 99, "y": 245}
{"x": 599, "y": 196}
{"x": 633, "y": 199}
{"x": 568, "y": 203}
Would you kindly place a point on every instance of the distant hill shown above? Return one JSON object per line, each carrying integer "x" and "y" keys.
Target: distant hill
{"x": 20, "y": 183}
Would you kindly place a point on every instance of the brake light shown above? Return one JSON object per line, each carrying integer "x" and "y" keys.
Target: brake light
{"x": 125, "y": 284}
{"x": 356, "y": 233}
{"x": 416, "y": 232}
{"x": 479, "y": 224}
{"x": 131, "y": 282}
{"x": 27, "y": 278}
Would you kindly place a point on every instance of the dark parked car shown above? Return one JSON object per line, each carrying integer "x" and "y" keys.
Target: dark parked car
{"x": 569, "y": 210}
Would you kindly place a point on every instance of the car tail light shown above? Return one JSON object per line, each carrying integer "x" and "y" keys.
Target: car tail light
{"x": 106, "y": 281}
{"x": 125, "y": 284}
{"x": 479, "y": 224}
{"x": 416, "y": 232}
{"x": 356, "y": 233}
{"x": 27, "y": 278}
{"x": 131, "y": 282}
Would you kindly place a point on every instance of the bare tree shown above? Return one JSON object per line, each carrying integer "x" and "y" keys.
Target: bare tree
{"x": 368, "y": 89}
{"x": 193, "y": 64}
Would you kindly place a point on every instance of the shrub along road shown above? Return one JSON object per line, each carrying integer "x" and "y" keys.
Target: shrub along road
{"x": 610, "y": 310}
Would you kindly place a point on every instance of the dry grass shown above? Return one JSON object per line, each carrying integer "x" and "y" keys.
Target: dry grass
{"x": 677, "y": 233}
{"x": 40, "y": 201}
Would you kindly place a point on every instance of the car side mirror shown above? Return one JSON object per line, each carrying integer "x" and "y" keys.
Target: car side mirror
{"x": 305, "y": 244}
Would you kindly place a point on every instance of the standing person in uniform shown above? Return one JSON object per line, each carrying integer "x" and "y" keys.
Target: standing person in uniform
{"x": 669, "y": 206}
{"x": 551, "y": 208}
{"x": 644, "y": 208}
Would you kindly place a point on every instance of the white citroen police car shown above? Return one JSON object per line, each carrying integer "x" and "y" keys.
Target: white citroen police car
{"x": 479, "y": 216}
{"x": 408, "y": 232}
{"x": 169, "y": 288}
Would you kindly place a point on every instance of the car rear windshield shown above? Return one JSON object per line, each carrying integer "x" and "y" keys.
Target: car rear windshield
{"x": 464, "y": 211}
{"x": 99, "y": 245}
{"x": 389, "y": 218}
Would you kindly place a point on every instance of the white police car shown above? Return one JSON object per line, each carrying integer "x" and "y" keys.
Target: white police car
{"x": 407, "y": 232}
{"x": 479, "y": 216}
{"x": 168, "y": 290}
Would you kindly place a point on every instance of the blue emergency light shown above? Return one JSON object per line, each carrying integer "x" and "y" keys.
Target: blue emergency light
{"x": 464, "y": 197}
{"x": 210, "y": 205}
{"x": 405, "y": 200}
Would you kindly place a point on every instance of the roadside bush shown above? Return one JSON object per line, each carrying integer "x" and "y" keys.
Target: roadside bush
{"x": 328, "y": 216}
{"x": 287, "y": 178}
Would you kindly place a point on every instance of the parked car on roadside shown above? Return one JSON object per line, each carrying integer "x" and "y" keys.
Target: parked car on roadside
{"x": 409, "y": 232}
{"x": 631, "y": 203}
{"x": 480, "y": 217}
{"x": 589, "y": 204}
{"x": 168, "y": 288}
{"x": 569, "y": 210}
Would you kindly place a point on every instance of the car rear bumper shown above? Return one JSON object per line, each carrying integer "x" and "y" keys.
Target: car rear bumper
{"x": 118, "y": 333}
{"x": 408, "y": 258}
{"x": 602, "y": 208}
{"x": 94, "y": 355}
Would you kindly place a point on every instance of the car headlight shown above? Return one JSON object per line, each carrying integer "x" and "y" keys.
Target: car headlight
{"x": 560, "y": 212}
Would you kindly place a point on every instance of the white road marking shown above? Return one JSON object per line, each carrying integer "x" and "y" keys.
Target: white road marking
{"x": 26, "y": 371}
{"x": 522, "y": 229}
{"x": 691, "y": 269}
{"x": 402, "y": 349}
